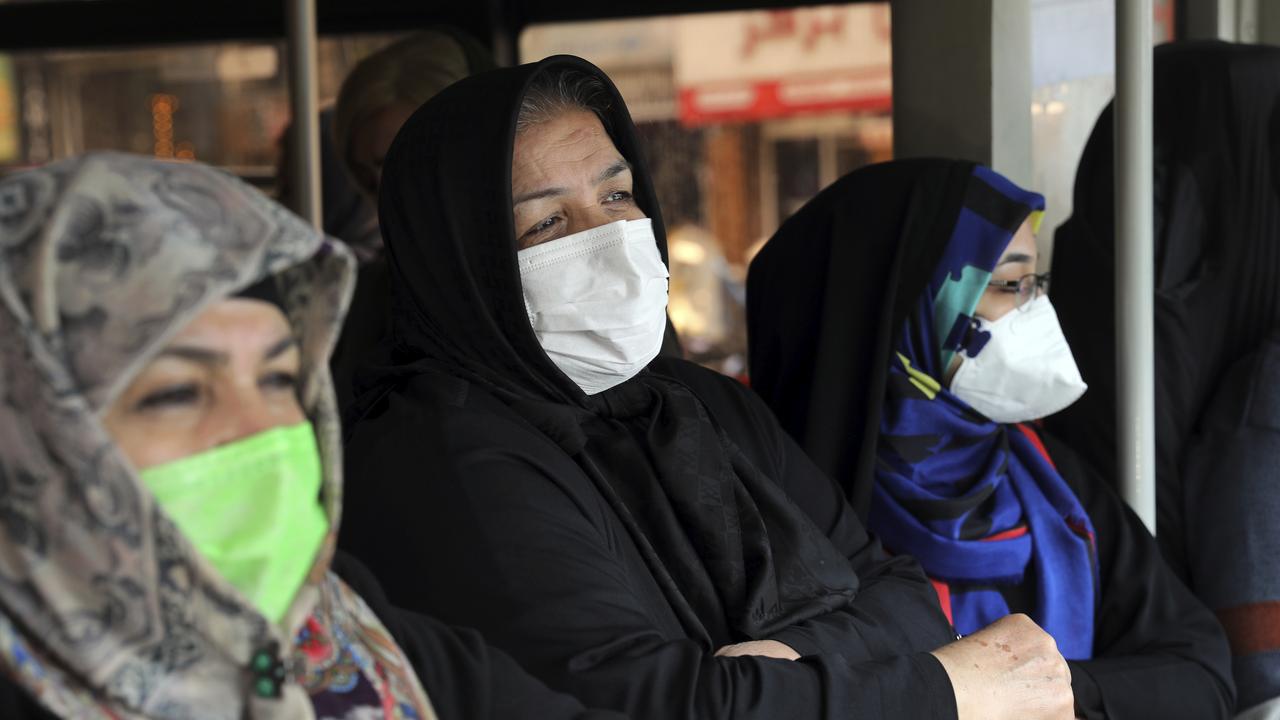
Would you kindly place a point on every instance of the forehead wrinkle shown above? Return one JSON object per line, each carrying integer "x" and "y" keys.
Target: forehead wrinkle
{"x": 562, "y": 154}
{"x": 563, "y": 166}
{"x": 545, "y": 142}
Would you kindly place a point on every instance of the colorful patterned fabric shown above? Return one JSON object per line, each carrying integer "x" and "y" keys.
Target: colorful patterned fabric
{"x": 978, "y": 503}
{"x": 106, "y": 610}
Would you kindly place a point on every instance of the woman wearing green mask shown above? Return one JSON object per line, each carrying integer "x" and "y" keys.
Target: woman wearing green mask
{"x": 169, "y": 469}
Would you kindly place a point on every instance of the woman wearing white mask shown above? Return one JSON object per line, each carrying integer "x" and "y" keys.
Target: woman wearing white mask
{"x": 638, "y": 532}
{"x": 901, "y": 333}
{"x": 170, "y": 471}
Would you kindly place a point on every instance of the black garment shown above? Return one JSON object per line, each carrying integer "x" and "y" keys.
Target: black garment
{"x": 16, "y": 704}
{"x": 1158, "y": 652}
{"x": 874, "y": 238}
{"x": 365, "y": 338}
{"x": 349, "y": 215}
{"x": 519, "y": 542}
{"x": 678, "y": 536}
{"x": 1217, "y": 239}
{"x": 464, "y": 678}
{"x": 1233, "y": 563}
{"x": 819, "y": 336}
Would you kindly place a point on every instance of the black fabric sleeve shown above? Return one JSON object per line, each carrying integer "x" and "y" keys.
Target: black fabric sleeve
{"x": 896, "y": 610}
{"x": 1158, "y": 652}
{"x": 465, "y": 679}
{"x": 513, "y": 547}
{"x": 570, "y": 610}
{"x": 16, "y": 704}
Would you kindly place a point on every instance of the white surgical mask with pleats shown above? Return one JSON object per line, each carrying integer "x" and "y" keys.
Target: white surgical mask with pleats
{"x": 1025, "y": 371}
{"x": 597, "y": 300}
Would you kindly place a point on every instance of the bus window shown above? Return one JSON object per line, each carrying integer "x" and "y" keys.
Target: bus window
{"x": 221, "y": 103}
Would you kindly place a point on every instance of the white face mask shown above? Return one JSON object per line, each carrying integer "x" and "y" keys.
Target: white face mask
{"x": 597, "y": 301}
{"x": 1025, "y": 371}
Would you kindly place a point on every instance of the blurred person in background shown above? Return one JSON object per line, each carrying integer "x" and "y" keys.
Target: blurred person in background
{"x": 374, "y": 101}
{"x": 1217, "y": 316}
{"x": 349, "y": 214}
{"x": 170, "y": 469}
{"x": 384, "y": 89}
{"x": 901, "y": 334}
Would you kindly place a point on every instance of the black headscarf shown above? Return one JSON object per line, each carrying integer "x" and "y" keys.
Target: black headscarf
{"x": 820, "y": 349}
{"x": 734, "y": 556}
{"x": 1217, "y": 238}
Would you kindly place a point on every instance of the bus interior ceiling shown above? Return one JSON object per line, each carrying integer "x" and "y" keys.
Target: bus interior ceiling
{"x": 66, "y": 24}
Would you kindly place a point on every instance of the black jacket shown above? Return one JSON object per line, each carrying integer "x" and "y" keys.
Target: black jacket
{"x": 519, "y": 543}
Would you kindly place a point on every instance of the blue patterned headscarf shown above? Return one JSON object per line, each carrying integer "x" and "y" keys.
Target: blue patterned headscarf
{"x": 980, "y": 504}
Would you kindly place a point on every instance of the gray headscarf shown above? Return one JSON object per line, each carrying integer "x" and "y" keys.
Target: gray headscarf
{"x": 105, "y": 607}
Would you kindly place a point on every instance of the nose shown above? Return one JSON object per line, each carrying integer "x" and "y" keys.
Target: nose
{"x": 590, "y": 217}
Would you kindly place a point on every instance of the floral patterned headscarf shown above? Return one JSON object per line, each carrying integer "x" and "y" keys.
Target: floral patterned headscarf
{"x": 106, "y": 609}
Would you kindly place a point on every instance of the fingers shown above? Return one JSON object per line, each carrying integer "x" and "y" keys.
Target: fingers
{"x": 1010, "y": 669}
{"x": 759, "y": 648}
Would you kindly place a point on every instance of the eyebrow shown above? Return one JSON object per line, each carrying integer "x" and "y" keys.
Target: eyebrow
{"x": 613, "y": 170}
{"x": 205, "y": 356}
{"x": 198, "y": 355}
{"x": 1015, "y": 258}
{"x": 608, "y": 173}
{"x": 281, "y": 347}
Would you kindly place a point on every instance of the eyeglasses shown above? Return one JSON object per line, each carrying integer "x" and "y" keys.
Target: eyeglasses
{"x": 1028, "y": 287}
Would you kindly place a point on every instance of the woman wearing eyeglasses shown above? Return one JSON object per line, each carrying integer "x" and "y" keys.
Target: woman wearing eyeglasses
{"x": 900, "y": 332}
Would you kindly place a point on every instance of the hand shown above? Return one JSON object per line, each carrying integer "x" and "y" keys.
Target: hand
{"x": 1009, "y": 669}
{"x": 760, "y": 648}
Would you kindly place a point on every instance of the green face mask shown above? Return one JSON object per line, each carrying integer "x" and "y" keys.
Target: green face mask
{"x": 252, "y": 508}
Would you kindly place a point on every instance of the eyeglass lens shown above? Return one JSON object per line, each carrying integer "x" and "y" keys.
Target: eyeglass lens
{"x": 1031, "y": 286}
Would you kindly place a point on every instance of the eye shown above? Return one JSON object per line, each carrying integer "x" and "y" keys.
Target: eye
{"x": 542, "y": 227}
{"x": 618, "y": 196}
{"x": 175, "y": 396}
{"x": 281, "y": 380}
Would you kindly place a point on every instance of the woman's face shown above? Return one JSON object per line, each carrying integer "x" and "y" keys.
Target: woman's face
{"x": 1019, "y": 259}
{"x": 230, "y": 373}
{"x": 566, "y": 177}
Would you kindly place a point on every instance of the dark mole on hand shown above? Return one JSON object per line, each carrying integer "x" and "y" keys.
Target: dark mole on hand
{"x": 982, "y": 643}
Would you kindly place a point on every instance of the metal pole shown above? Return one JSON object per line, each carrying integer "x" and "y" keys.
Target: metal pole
{"x": 304, "y": 157}
{"x": 505, "y": 34}
{"x": 1135, "y": 277}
